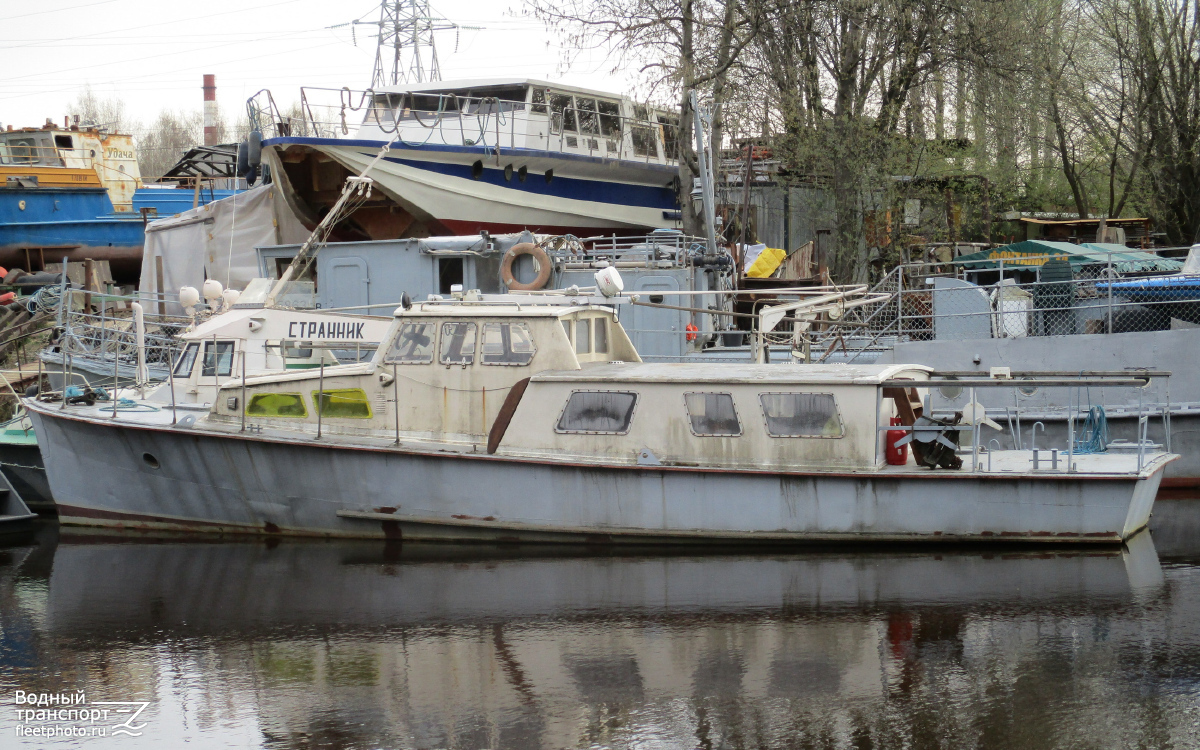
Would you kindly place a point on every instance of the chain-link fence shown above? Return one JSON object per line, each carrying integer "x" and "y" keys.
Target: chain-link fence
{"x": 1040, "y": 296}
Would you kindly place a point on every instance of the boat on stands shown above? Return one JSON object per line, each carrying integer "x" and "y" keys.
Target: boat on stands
{"x": 467, "y": 156}
{"x": 532, "y": 418}
{"x": 76, "y": 192}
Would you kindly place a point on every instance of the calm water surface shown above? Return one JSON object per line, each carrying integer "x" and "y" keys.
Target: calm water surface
{"x": 349, "y": 645}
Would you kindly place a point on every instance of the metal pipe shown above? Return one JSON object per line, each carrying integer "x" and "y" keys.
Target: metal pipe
{"x": 1111, "y": 279}
{"x": 171, "y": 384}
{"x": 706, "y": 180}
{"x": 320, "y": 396}
{"x": 1033, "y": 438}
{"x": 116, "y": 375}
{"x": 396, "y": 399}
{"x": 243, "y": 403}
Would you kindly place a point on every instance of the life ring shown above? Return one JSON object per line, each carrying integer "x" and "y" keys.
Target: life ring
{"x": 691, "y": 332}
{"x": 539, "y": 256}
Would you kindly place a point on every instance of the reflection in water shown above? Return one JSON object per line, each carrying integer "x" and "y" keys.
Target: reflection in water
{"x": 361, "y": 645}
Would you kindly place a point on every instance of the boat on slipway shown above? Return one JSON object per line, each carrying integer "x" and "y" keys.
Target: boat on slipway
{"x": 514, "y": 418}
{"x": 498, "y": 156}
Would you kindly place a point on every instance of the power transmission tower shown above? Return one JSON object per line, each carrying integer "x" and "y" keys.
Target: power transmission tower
{"x": 406, "y": 51}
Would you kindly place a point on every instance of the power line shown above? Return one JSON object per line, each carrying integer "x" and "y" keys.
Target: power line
{"x": 172, "y": 21}
{"x": 56, "y": 10}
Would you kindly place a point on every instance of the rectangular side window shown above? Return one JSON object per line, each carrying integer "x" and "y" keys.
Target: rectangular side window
{"x": 183, "y": 367}
{"x": 458, "y": 343}
{"x": 566, "y": 327}
{"x": 583, "y": 339}
{"x": 218, "y": 359}
{"x": 413, "y": 344}
{"x": 563, "y": 109}
{"x": 539, "y": 101}
{"x": 610, "y": 118}
{"x": 598, "y": 412}
{"x": 801, "y": 415}
{"x": 712, "y": 414}
{"x": 506, "y": 344}
{"x": 600, "y": 335}
{"x": 344, "y": 403}
{"x": 277, "y": 405}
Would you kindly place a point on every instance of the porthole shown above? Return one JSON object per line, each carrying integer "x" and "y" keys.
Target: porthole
{"x": 1027, "y": 390}
{"x": 549, "y": 176}
{"x": 477, "y": 170}
{"x": 522, "y": 173}
{"x": 150, "y": 460}
{"x": 508, "y": 171}
{"x": 949, "y": 391}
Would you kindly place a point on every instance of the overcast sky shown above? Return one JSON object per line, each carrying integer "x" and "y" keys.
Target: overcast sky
{"x": 152, "y": 53}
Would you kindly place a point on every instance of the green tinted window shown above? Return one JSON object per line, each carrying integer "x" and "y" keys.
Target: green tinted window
{"x": 276, "y": 405}
{"x": 346, "y": 403}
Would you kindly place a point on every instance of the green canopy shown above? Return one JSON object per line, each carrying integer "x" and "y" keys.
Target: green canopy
{"x": 1031, "y": 253}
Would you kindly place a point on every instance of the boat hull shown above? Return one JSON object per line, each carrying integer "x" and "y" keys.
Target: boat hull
{"x": 462, "y": 190}
{"x": 22, "y": 466}
{"x": 138, "y": 476}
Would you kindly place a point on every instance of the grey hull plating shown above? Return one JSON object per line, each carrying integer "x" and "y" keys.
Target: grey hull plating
{"x": 121, "y": 475}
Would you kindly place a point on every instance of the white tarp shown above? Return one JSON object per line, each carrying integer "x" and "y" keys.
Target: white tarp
{"x": 1191, "y": 266}
{"x": 215, "y": 241}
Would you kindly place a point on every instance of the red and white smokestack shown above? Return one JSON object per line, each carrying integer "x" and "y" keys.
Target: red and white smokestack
{"x": 210, "y": 109}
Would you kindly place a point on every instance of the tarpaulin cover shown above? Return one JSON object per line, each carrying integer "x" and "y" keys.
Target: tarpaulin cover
{"x": 216, "y": 241}
{"x": 1037, "y": 252}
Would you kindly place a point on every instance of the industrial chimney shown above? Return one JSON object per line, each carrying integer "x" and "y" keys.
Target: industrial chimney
{"x": 210, "y": 109}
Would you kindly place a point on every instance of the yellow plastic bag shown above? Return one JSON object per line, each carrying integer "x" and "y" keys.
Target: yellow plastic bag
{"x": 766, "y": 263}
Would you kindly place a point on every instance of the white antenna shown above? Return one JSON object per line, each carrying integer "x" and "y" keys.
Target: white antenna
{"x": 406, "y": 51}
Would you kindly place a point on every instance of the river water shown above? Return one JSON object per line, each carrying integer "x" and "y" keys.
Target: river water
{"x": 359, "y": 645}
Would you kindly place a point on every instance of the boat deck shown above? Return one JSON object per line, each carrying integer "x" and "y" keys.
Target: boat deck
{"x": 1004, "y": 463}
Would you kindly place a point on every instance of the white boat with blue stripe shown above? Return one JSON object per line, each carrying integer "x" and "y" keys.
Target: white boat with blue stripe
{"x": 477, "y": 155}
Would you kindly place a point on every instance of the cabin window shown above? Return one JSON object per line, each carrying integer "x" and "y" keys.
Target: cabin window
{"x": 670, "y": 134}
{"x": 566, "y": 327}
{"x": 589, "y": 121}
{"x": 277, "y": 405}
{"x": 642, "y": 134}
{"x": 63, "y": 142}
{"x": 413, "y": 344}
{"x": 801, "y": 415}
{"x": 506, "y": 344}
{"x": 610, "y": 119}
{"x": 458, "y": 343}
{"x": 600, "y": 335}
{"x": 294, "y": 350}
{"x": 343, "y": 403}
{"x": 183, "y": 367}
{"x": 563, "y": 110}
{"x": 24, "y": 150}
{"x": 712, "y": 414}
{"x": 583, "y": 338}
{"x": 598, "y": 412}
{"x": 218, "y": 359}
{"x": 539, "y": 101}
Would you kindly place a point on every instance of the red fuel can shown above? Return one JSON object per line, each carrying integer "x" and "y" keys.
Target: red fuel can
{"x": 897, "y": 455}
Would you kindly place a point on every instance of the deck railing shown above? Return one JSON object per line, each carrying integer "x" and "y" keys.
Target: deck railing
{"x": 449, "y": 119}
{"x": 960, "y": 300}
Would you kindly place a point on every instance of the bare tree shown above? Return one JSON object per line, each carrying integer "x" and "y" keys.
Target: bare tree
{"x": 167, "y": 139}
{"x": 678, "y": 46}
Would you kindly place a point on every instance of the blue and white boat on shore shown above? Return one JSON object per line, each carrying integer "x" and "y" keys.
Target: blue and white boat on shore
{"x": 76, "y": 191}
{"x": 479, "y": 155}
